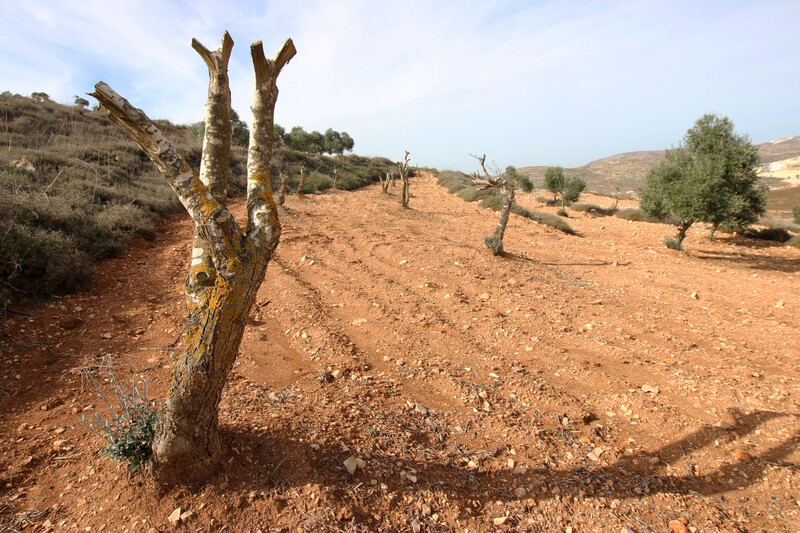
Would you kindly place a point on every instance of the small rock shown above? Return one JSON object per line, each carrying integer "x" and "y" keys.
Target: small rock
{"x": 728, "y": 421}
{"x": 588, "y": 327}
{"x": 359, "y": 321}
{"x": 426, "y": 510}
{"x": 412, "y": 478}
{"x": 677, "y": 526}
{"x": 780, "y": 304}
{"x": 520, "y": 470}
{"x": 741, "y": 455}
{"x": 404, "y": 261}
{"x": 650, "y": 389}
{"x": 337, "y": 374}
{"x": 415, "y": 526}
{"x": 186, "y": 516}
{"x": 499, "y": 521}
{"x": 599, "y": 451}
{"x": 695, "y": 296}
{"x": 520, "y": 492}
{"x": 418, "y": 407}
{"x": 175, "y": 517}
{"x": 484, "y": 296}
{"x": 593, "y": 456}
{"x": 351, "y": 464}
{"x": 107, "y": 335}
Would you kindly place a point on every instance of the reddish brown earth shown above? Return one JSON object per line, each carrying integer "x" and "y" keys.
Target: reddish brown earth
{"x": 598, "y": 383}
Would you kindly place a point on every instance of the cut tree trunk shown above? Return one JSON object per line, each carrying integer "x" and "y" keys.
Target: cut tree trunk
{"x": 403, "y": 167}
{"x": 228, "y": 265}
{"x": 500, "y": 230}
{"x": 682, "y": 229}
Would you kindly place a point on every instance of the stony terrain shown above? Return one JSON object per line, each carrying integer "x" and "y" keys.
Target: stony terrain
{"x": 395, "y": 376}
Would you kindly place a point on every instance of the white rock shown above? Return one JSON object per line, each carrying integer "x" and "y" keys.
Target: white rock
{"x": 175, "y": 517}
{"x": 351, "y": 464}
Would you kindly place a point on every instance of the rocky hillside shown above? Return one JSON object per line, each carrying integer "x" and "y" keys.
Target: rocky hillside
{"x": 627, "y": 172}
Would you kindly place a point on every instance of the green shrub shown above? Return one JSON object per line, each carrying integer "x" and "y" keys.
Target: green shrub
{"x": 550, "y": 202}
{"x": 730, "y": 227}
{"x": 37, "y": 260}
{"x": 796, "y": 214}
{"x": 475, "y": 194}
{"x": 545, "y": 219}
{"x": 585, "y": 208}
{"x": 768, "y": 234}
{"x": 454, "y": 181}
{"x": 673, "y": 244}
{"x": 562, "y": 213}
{"x": 637, "y": 215}
{"x": 794, "y": 241}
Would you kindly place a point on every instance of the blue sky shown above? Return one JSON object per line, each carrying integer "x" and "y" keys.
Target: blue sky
{"x": 527, "y": 83}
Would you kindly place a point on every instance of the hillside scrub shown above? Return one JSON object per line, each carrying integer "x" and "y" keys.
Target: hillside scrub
{"x": 75, "y": 190}
{"x": 586, "y": 208}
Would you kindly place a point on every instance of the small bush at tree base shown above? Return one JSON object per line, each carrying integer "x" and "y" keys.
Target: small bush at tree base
{"x": 673, "y": 244}
{"x": 562, "y": 213}
{"x": 130, "y": 427}
{"x": 796, "y": 213}
{"x": 493, "y": 244}
{"x": 769, "y": 234}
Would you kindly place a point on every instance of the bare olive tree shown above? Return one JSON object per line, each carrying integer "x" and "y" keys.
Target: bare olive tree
{"x": 507, "y": 181}
{"x": 302, "y": 180}
{"x": 403, "y": 167}
{"x": 228, "y": 264}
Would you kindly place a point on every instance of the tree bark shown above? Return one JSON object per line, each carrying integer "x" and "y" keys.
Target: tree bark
{"x": 187, "y": 441}
{"x": 302, "y": 180}
{"x": 500, "y": 229}
{"x": 284, "y": 189}
{"x": 682, "y": 229}
{"x": 335, "y": 177}
{"x": 403, "y": 167}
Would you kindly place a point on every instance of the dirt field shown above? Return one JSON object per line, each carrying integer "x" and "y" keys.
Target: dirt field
{"x": 599, "y": 382}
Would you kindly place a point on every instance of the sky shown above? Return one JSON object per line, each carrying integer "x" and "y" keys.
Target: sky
{"x": 525, "y": 82}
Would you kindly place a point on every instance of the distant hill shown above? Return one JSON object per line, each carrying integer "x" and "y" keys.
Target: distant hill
{"x": 627, "y": 172}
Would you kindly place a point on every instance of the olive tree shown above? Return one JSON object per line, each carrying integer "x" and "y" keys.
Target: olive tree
{"x": 403, "y": 168}
{"x": 228, "y": 263}
{"x": 712, "y": 176}
{"x": 508, "y": 182}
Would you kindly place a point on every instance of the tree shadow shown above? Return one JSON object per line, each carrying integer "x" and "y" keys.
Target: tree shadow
{"x": 278, "y": 460}
{"x": 758, "y": 262}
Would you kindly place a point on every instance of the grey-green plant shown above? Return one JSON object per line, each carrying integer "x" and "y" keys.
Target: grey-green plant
{"x": 129, "y": 427}
{"x": 712, "y": 176}
{"x": 796, "y": 213}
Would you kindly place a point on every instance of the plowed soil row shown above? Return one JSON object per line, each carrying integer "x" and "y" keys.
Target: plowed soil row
{"x": 593, "y": 382}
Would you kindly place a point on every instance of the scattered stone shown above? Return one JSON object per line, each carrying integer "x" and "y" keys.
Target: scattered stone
{"x": 415, "y": 526}
{"x": 520, "y": 470}
{"x": 351, "y": 464}
{"x": 695, "y": 296}
{"x": 337, "y": 374}
{"x": 728, "y": 421}
{"x": 404, "y": 261}
{"x": 418, "y": 407}
{"x": 650, "y": 389}
{"x": 426, "y": 510}
{"x": 741, "y": 455}
{"x": 359, "y": 321}
{"x": 484, "y": 296}
{"x": 677, "y": 526}
{"x": 780, "y": 304}
{"x": 499, "y": 521}
{"x": 175, "y": 517}
{"x": 186, "y": 516}
{"x": 107, "y": 335}
{"x": 593, "y": 456}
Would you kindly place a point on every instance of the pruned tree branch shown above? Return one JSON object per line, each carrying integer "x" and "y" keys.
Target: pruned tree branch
{"x": 262, "y": 224}
{"x": 215, "y": 223}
